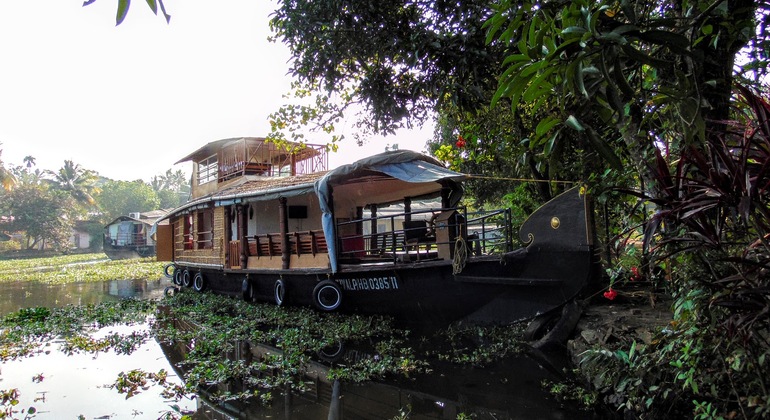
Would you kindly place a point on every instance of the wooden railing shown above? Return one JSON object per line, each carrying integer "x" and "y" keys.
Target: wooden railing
{"x": 310, "y": 242}
{"x": 127, "y": 239}
{"x": 485, "y": 232}
{"x": 234, "y": 254}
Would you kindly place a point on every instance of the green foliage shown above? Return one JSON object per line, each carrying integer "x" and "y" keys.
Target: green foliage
{"x": 77, "y": 182}
{"x": 388, "y": 56}
{"x": 12, "y": 245}
{"x": 172, "y": 188}
{"x": 571, "y": 392}
{"x": 23, "y": 332}
{"x": 7, "y": 180}
{"x": 78, "y": 268}
{"x": 9, "y": 400}
{"x": 119, "y": 198}
{"x": 686, "y": 371}
{"x": 43, "y": 214}
{"x": 123, "y": 6}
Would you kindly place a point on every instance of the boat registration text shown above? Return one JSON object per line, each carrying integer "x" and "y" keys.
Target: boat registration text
{"x": 372, "y": 283}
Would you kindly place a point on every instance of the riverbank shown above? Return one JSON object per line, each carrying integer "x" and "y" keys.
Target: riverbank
{"x": 633, "y": 316}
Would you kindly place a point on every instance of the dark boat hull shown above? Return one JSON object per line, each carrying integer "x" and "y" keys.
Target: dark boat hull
{"x": 128, "y": 252}
{"x": 487, "y": 291}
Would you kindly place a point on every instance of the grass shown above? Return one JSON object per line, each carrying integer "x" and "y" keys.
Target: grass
{"x": 78, "y": 268}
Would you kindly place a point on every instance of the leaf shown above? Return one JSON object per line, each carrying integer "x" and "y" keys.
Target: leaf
{"x": 676, "y": 42}
{"x": 123, "y": 6}
{"x": 579, "y": 81}
{"x": 573, "y": 123}
{"x": 573, "y": 30}
{"x": 153, "y": 6}
{"x": 549, "y": 145}
{"x": 644, "y": 58}
{"x": 604, "y": 150}
{"x": 538, "y": 84}
{"x": 545, "y": 125}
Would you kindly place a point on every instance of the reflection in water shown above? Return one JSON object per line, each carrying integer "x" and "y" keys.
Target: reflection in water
{"x": 74, "y": 385}
{"x": 15, "y": 296}
{"x": 71, "y": 385}
{"x": 509, "y": 389}
{"x": 78, "y": 384}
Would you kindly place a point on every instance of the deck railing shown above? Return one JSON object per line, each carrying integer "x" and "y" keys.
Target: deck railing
{"x": 419, "y": 233}
{"x": 127, "y": 239}
{"x": 309, "y": 242}
{"x": 417, "y": 236}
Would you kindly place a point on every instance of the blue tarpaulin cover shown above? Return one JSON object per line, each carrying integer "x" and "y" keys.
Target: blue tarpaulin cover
{"x": 404, "y": 165}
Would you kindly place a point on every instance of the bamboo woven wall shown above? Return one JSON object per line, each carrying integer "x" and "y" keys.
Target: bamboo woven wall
{"x": 214, "y": 255}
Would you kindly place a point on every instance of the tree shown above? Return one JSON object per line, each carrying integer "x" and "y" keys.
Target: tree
{"x": 172, "y": 188}
{"x": 78, "y": 182}
{"x": 29, "y": 161}
{"x": 399, "y": 60}
{"x": 625, "y": 96}
{"x": 7, "y": 179}
{"x": 119, "y": 198}
{"x": 408, "y": 61}
{"x": 42, "y": 213}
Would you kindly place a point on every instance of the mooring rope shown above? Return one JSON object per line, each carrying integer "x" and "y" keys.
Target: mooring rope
{"x": 500, "y": 178}
{"x": 461, "y": 256}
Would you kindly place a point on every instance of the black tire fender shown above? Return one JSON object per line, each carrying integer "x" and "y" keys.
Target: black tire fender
{"x": 178, "y": 271}
{"x": 327, "y": 295}
{"x": 199, "y": 282}
{"x": 186, "y": 280}
{"x": 279, "y": 292}
{"x": 169, "y": 270}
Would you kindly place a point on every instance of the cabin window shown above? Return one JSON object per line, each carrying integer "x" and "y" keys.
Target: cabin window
{"x": 187, "y": 231}
{"x": 205, "y": 225}
{"x": 207, "y": 170}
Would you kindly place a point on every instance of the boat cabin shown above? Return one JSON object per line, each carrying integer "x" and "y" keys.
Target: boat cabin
{"x": 257, "y": 205}
{"x": 131, "y": 236}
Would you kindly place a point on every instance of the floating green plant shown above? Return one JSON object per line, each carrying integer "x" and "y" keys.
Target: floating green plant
{"x": 78, "y": 268}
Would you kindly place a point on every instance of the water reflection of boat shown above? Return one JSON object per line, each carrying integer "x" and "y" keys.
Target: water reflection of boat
{"x": 509, "y": 389}
{"x": 270, "y": 223}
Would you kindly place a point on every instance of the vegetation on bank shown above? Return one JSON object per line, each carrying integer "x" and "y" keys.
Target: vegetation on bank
{"x": 78, "y": 268}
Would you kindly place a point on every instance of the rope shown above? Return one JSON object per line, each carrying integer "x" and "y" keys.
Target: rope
{"x": 461, "y": 256}
{"x": 522, "y": 179}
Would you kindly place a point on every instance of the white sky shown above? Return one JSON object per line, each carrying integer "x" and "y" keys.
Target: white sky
{"x": 129, "y": 101}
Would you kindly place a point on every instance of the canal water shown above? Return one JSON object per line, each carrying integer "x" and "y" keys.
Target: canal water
{"x": 62, "y": 386}
{"x": 68, "y": 386}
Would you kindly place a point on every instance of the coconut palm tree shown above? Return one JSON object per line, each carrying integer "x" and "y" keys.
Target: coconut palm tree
{"x": 29, "y": 161}
{"x": 78, "y": 182}
{"x": 7, "y": 180}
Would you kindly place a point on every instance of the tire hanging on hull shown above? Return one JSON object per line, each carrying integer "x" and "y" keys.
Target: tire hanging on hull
{"x": 199, "y": 282}
{"x": 186, "y": 281}
{"x": 172, "y": 268}
{"x": 327, "y": 296}
{"x": 178, "y": 276}
{"x": 279, "y": 292}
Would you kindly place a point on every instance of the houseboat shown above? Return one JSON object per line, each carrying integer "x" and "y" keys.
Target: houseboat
{"x": 130, "y": 236}
{"x": 387, "y": 234}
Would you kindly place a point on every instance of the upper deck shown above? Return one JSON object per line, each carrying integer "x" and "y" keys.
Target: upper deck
{"x": 218, "y": 163}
